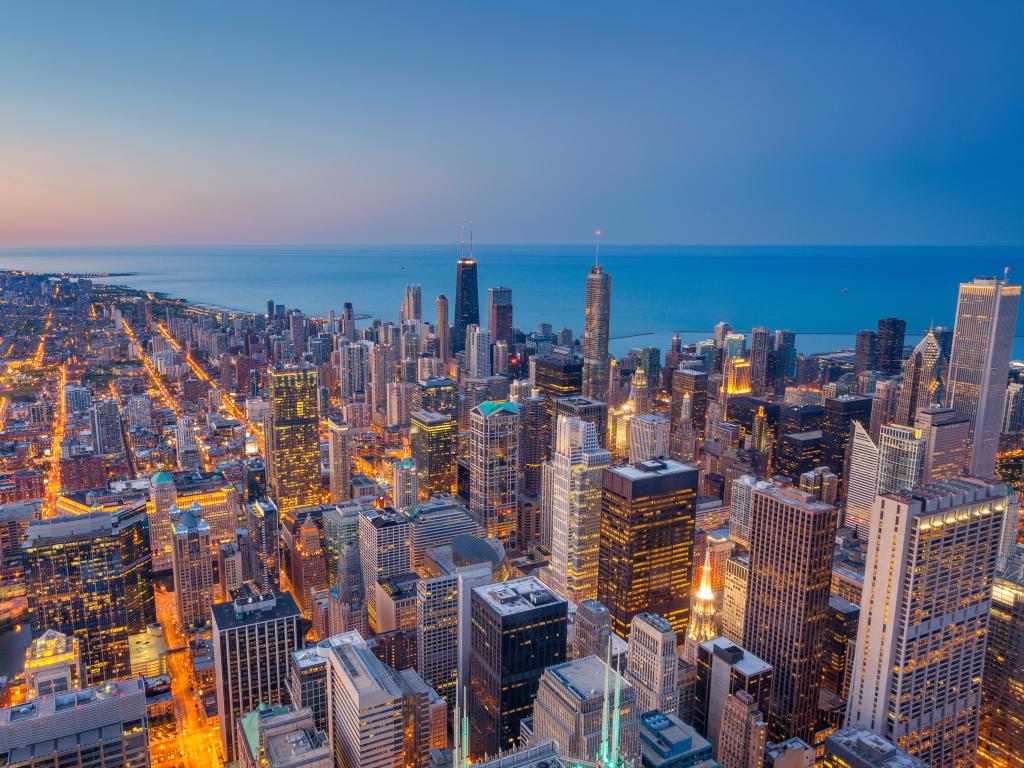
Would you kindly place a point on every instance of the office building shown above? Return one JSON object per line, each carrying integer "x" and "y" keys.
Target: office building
{"x": 253, "y": 639}
{"x": 53, "y": 664}
{"x": 865, "y": 355}
{"x": 577, "y": 464}
{"x": 494, "y": 468}
{"x": 557, "y": 376}
{"x": 725, "y": 669}
{"x": 595, "y": 333}
{"x": 792, "y": 538}
{"x": 572, "y": 707}
{"x": 587, "y": 409}
{"x": 433, "y": 440}
{"x": 891, "y": 334}
{"x": 186, "y": 444}
{"x": 743, "y": 734}
{"x": 282, "y": 737}
{"x": 478, "y": 352}
{"x": 262, "y": 525}
{"x": 308, "y": 682}
{"x": 921, "y": 379}
{"x": 924, "y": 617}
{"x": 106, "y": 427}
{"x": 467, "y": 301}
{"x": 383, "y": 551}
{"x": 308, "y": 564}
{"x": 193, "y": 567}
{"x": 442, "y": 328}
{"x": 648, "y": 437}
{"x": 1002, "y": 695}
{"x": 734, "y": 597}
{"x": 652, "y": 667}
{"x": 986, "y": 321}
{"x": 535, "y": 438}
{"x": 689, "y": 388}
{"x": 791, "y": 753}
{"x": 840, "y": 413}
{"x": 668, "y": 742}
{"x": 799, "y": 452}
{"x": 438, "y": 395}
{"x": 162, "y": 496}
{"x": 90, "y": 576}
{"x": 590, "y": 631}
{"x": 857, "y": 747}
{"x": 339, "y": 459}
{"x": 100, "y": 727}
{"x": 405, "y": 484}
{"x": 519, "y": 630}
{"x": 499, "y": 314}
{"x": 292, "y": 439}
{"x": 646, "y": 546}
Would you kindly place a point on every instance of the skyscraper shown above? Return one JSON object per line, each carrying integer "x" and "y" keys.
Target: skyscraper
{"x": 840, "y": 413}
{"x": 292, "y": 438}
{"x": 891, "y": 333}
{"x": 986, "y": 320}
{"x": 653, "y": 665}
{"x": 308, "y": 565}
{"x": 90, "y": 577}
{"x": 865, "y": 357}
{"x": 946, "y": 435}
{"x": 499, "y": 314}
{"x": 467, "y": 301}
{"x": 646, "y": 551}
{"x": 442, "y": 329}
{"x": 760, "y": 344}
{"x": 193, "y": 567}
{"x": 595, "y": 334}
{"x": 433, "y": 440}
{"x": 723, "y": 670}
{"x": 494, "y": 468}
{"x": 535, "y": 430}
{"x": 921, "y": 379}
{"x": 412, "y": 306}
{"x": 339, "y": 459}
{"x": 924, "y": 617}
{"x": 792, "y": 538}
{"x": 648, "y": 437}
{"x": 106, "y": 427}
{"x": 519, "y": 630}
{"x": 577, "y": 464}
{"x": 478, "y": 352}
{"x": 253, "y": 639}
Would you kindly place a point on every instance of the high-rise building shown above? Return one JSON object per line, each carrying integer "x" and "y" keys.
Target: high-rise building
{"x": 840, "y": 413}
{"x": 986, "y": 321}
{"x": 433, "y": 440}
{"x": 734, "y": 598}
{"x": 53, "y": 664}
{"x": 840, "y": 640}
{"x": 652, "y": 667}
{"x": 437, "y": 395}
{"x": 308, "y": 565}
{"x": 791, "y": 543}
{"x": 405, "y": 484}
{"x": 725, "y": 669}
{"x": 667, "y": 741}
{"x": 865, "y": 356}
{"x": 162, "y": 496}
{"x": 535, "y": 437}
{"x": 921, "y": 379}
{"x": 703, "y": 622}
{"x": 499, "y": 314}
{"x": 760, "y": 344}
{"x": 648, "y": 437}
{"x": 253, "y": 639}
{"x": 946, "y": 435}
{"x": 106, "y": 427}
{"x": 102, "y": 727}
{"x": 292, "y": 439}
{"x": 924, "y": 617}
{"x": 595, "y": 334}
{"x": 478, "y": 352}
{"x": 186, "y": 444}
{"x": 519, "y": 630}
{"x": 467, "y": 301}
{"x": 689, "y": 386}
{"x": 743, "y": 734}
{"x": 90, "y": 577}
{"x": 442, "y": 329}
{"x": 339, "y": 459}
{"x": 193, "y": 567}
{"x": 646, "y": 550}
{"x": 857, "y": 747}
{"x": 412, "y": 305}
{"x": 383, "y": 551}
{"x": 494, "y": 468}
{"x": 573, "y": 708}
{"x": 590, "y": 631}
{"x": 282, "y": 737}
{"x": 891, "y": 334}
{"x": 585, "y": 408}
{"x": 263, "y": 525}
{"x": 577, "y": 464}
{"x": 1001, "y": 734}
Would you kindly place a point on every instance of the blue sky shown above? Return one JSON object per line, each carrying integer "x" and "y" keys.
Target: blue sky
{"x": 782, "y": 122}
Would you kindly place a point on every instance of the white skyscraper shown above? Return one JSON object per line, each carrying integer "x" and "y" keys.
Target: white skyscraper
{"x": 920, "y": 648}
{"x": 895, "y": 462}
{"x": 653, "y": 664}
{"x": 575, "y": 498}
{"x": 901, "y": 452}
{"x": 648, "y": 437}
{"x": 478, "y": 352}
{"x": 986, "y": 320}
{"x": 339, "y": 459}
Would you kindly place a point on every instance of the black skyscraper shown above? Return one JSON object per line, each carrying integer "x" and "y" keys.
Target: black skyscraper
{"x": 467, "y": 301}
{"x": 891, "y": 333}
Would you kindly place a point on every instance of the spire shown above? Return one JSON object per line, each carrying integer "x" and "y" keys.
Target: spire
{"x": 597, "y": 248}
{"x": 704, "y": 592}
{"x": 462, "y": 242}
{"x": 602, "y": 753}
{"x": 471, "y": 241}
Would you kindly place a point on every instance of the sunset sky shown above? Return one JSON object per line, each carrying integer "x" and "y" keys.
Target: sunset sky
{"x": 144, "y": 123}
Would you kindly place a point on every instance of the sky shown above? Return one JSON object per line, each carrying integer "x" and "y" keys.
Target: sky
{"x": 713, "y": 123}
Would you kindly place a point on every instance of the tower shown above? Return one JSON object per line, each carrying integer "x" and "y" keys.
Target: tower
{"x": 653, "y": 666}
{"x": 494, "y": 468}
{"x": 499, "y": 314}
{"x": 442, "y": 329}
{"x": 292, "y": 438}
{"x": 920, "y": 379}
{"x": 702, "y": 613}
{"x": 595, "y": 333}
{"x": 193, "y": 567}
{"x": 891, "y": 334}
{"x": 339, "y": 459}
{"x": 467, "y": 300}
{"x": 986, "y": 320}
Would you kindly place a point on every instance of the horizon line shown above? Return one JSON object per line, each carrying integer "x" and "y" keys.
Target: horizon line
{"x": 537, "y": 244}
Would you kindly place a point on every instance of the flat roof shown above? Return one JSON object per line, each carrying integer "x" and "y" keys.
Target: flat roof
{"x": 507, "y": 598}
{"x": 748, "y": 664}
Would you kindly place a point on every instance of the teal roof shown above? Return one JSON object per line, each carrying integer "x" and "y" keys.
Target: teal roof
{"x": 490, "y": 407}
{"x": 163, "y": 477}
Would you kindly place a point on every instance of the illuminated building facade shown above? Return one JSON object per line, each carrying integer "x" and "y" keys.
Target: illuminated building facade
{"x": 791, "y": 543}
{"x": 986, "y": 320}
{"x": 193, "y": 567}
{"x": 53, "y": 664}
{"x": 931, "y": 558}
{"x": 467, "y": 301}
{"x": 292, "y": 439}
{"x": 494, "y": 468}
{"x": 339, "y": 459}
{"x": 652, "y": 667}
{"x": 518, "y": 631}
{"x": 725, "y": 669}
{"x": 309, "y": 567}
{"x": 646, "y": 549}
{"x": 433, "y": 440}
{"x": 90, "y": 577}
{"x": 438, "y": 395}
{"x": 597, "y": 310}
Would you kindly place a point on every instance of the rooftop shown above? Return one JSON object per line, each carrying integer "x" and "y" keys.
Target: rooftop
{"x": 254, "y": 609}
{"x": 517, "y": 595}
{"x": 584, "y": 678}
{"x": 743, "y": 661}
{"x": 651, "y": 468}
{"x": 856, "y": 742}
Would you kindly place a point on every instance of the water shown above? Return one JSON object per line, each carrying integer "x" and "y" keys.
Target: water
{"x": 825, "y": 294}
{"x": 13, "y": 644}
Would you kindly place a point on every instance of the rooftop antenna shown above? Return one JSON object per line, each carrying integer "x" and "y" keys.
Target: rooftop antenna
{"x": 471, "y": 240}
{"x": 597, "y": 247}
{"x": 1006, "y": 272}
{"x": 462, "y": 241}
